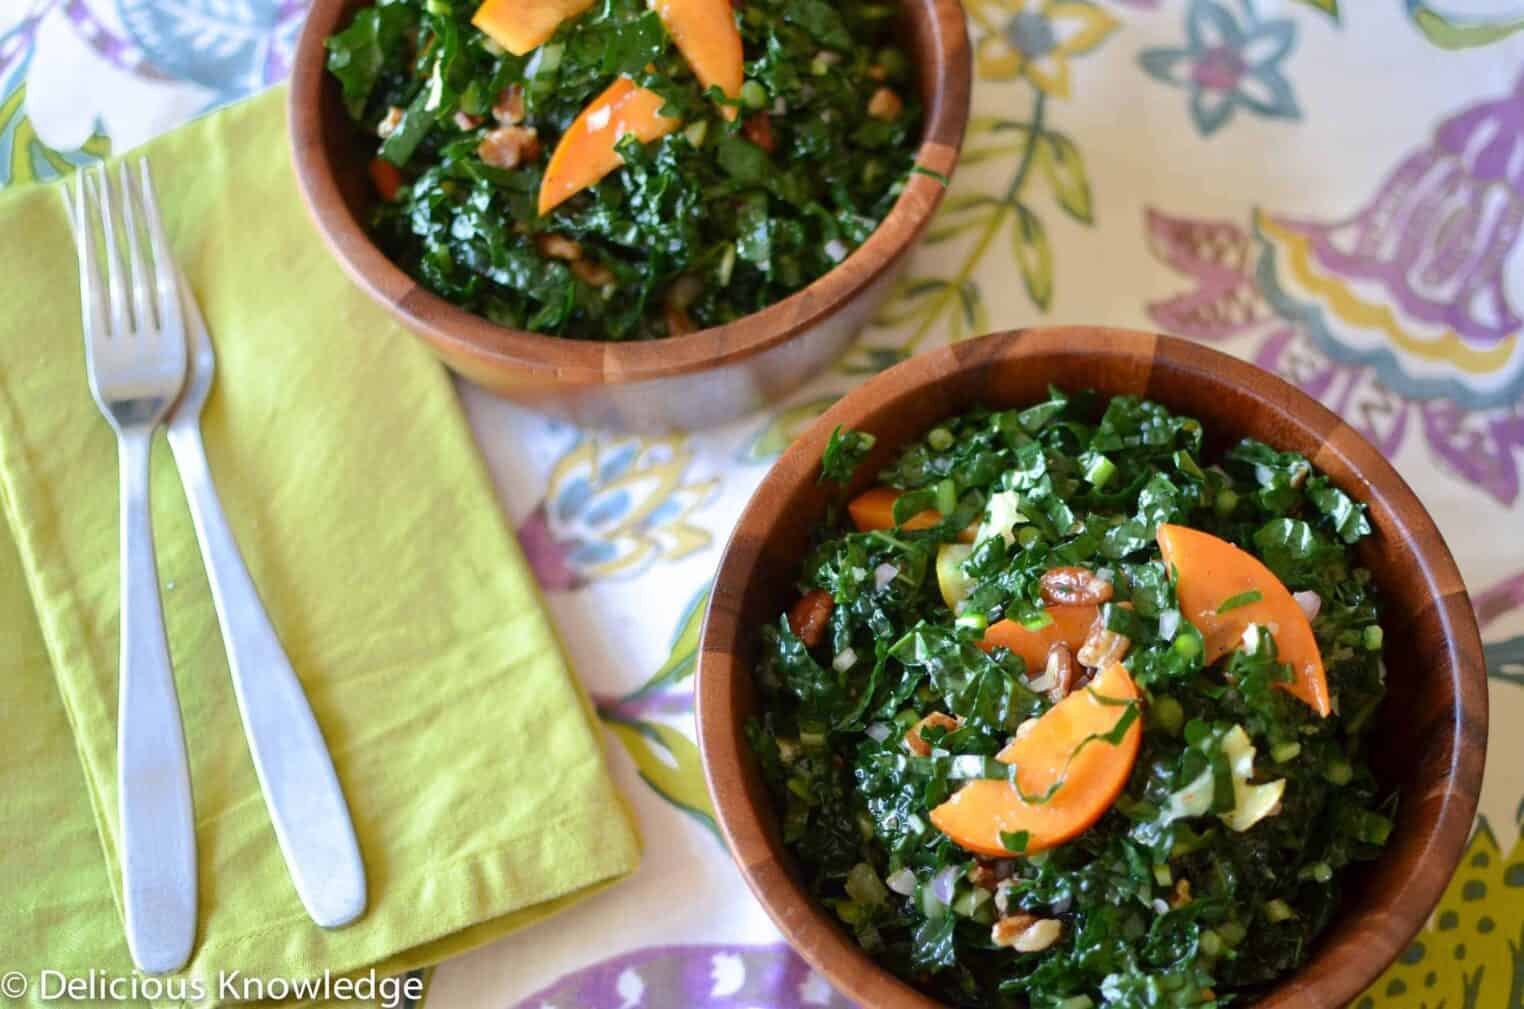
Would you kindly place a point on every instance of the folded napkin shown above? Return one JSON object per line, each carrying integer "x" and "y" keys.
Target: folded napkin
{"x": 472, "y": 768}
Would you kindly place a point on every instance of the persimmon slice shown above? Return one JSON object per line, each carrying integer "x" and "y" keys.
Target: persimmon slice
{"x": 874, "y": 509}
{"x": 586, "y": 152}
{"x": 1070, "y": 625}
{"x": 1089, "y": 776}
{"x": 1210, "y": 572}
{"x": 521, "y": 25}
{"x": 705, "y": 33}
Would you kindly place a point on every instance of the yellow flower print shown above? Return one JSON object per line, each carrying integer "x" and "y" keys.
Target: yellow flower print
{"x": 1036, "y": 38}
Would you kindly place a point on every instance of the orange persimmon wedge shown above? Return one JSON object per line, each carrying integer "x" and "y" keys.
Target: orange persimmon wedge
{"x": 1070, "y": 625}
{"x": 705, "y": 33}
{"x": 1052, "y": 750}
{"x": 1208, "y": 572}
{"x": 521, "y": 25}
{"x": 586, "y": 151}
{"x": 874, "y": 509}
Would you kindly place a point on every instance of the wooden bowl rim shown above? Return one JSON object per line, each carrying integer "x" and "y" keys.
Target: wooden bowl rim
{"x": 590, "y": 362}
{"x": 730, "y": 771}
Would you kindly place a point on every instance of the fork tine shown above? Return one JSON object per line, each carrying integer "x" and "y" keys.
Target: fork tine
{"x": 90, "y": 311}
{"x": 116, "y": 295}
{"x": 167, "y": 275}
{"x": 142, "y": 302}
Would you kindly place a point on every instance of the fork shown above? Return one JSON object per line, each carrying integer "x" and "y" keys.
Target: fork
{"x": 301, "y": 789}
{"x": 136, "y": 360}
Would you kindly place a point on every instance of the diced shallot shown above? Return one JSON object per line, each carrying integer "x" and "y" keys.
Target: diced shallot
{"x": 884, "y": 574}
{"x": 1310, "y": 602}
{"x": 902, "y": 882}
{"x": 943, "y": 882}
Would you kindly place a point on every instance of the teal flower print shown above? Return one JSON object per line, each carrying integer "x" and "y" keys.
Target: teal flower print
{"x": 1228, "y": 63}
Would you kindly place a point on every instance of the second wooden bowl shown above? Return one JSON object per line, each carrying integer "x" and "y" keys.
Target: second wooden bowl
{"x": 1435, "y": 714}
{"x": 690, "y": 381}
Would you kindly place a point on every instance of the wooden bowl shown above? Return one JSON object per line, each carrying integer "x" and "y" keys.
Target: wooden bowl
{"x": 1435, "y": 713}
{"x": 699, "y": 379}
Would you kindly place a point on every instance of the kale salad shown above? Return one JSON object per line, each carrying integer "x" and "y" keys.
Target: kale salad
{"x": 1069, "y": 716}
{"x": 625, "y": 171}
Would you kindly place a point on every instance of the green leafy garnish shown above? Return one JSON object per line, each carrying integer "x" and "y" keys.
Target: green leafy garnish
{"x": 844, "y": 450}
{"x": 1241, "y": 599}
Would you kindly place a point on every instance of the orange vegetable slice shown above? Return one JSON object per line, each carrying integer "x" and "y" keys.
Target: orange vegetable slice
{"x": 586, "y": 151}
{"x": 874, "y": 509}
{"x": 521, "y": 25}
{"x": 706, "y": 34}
{"x": 1053, "y": 750}
{"x": 1209, "y": 572}
{"x": 1070, "y": 625}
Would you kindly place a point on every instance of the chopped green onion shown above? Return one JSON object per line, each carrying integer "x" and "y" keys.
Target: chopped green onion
{"x": 973, "y": 621}
{"x": 1211, "y": 943}
{"x": 1187, "y": 645}
{"x": 1162, "y": 875}
{"x": 1167, "y": 714}
{"x": 696, "y": 132}
{"x": 1282, "y": 752}
{"x": 1278, "y": 910}
{"x": 940, "y": 439}
{"x": 1232, "y": 932}
{"x": 864, "y": 886}
{"x": 1099, "y": 470}
{"x": 1339, "y": 772}
{"x": 947, "y": 496}
{"x": 1373, "y": 638}
{"x": 1028, "y": 536}
{"x": 753, "y": 95}
{"x": 1226, "y": 502}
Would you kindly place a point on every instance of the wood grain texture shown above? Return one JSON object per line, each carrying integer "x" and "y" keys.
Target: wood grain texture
{"x": 699, "y": 379}
{"x": 1431, "y": 742}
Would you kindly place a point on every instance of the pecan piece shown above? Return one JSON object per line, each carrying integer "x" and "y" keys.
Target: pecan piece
{"x": 1074, "y": 586}
{"x": 759, "y": 130}
{"x": 809, "y": 615}
{"x": 885, "y": 105}
{"x": 1102, "y": 646}
{"x": 1059, "y": 672}
{"x": 1026, "y": 933}
{"x": 919, "y": 746}
{"x": 509, "y": 147}
{"x": 509, "y": 109}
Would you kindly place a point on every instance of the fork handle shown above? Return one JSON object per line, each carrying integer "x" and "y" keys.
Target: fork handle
{"x": 302, "y": 793}
{"x": 153, "y": 775}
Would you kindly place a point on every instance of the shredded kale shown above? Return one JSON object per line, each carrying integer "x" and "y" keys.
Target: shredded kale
{"x": 1161, "y": 902}
{"x": 697, "y": 229}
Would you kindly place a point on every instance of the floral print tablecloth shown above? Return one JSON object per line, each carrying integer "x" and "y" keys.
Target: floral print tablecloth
{"x": 1333, "y": 189}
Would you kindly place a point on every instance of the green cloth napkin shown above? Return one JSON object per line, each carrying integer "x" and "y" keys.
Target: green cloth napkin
{"x": 473, "y": 772}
